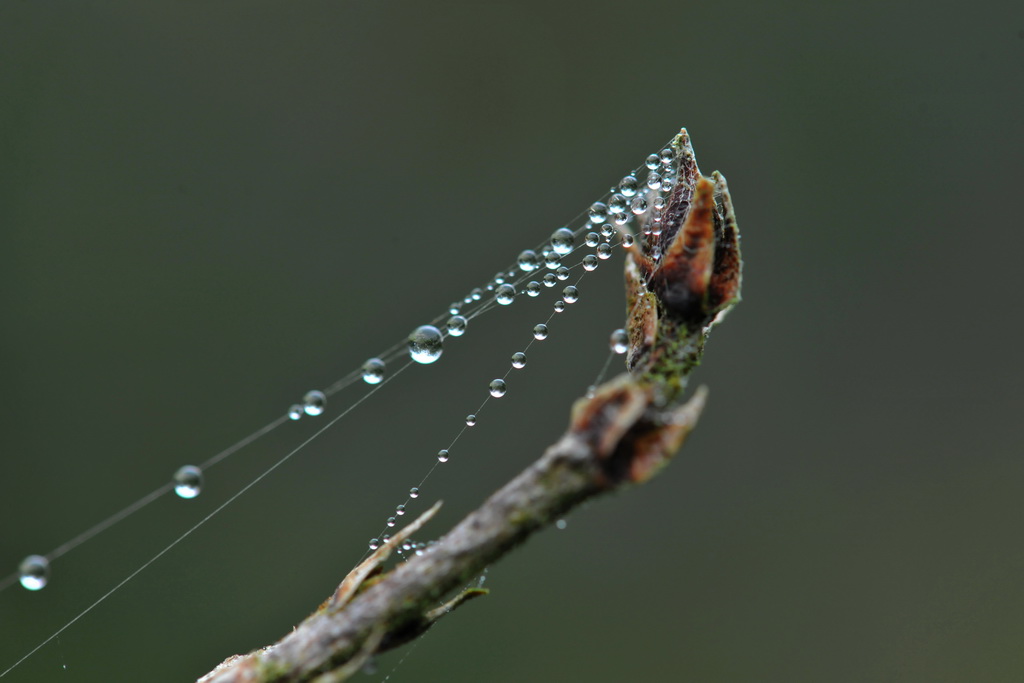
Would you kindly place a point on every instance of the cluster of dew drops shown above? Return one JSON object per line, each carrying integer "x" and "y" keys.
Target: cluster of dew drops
{"x": 606, "y": 221}
{"x": 644, "y": 191}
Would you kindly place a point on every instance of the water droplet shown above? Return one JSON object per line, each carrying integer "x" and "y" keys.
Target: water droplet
{"x": 505, "y": 294}
{"x": 518, "y": 360}
{"x": 559, "y": 306}
{"x": 373, "y": 371}
{"x": 400, "y": 510}
{"x": 571, "y": 294}
{"x": 374, "y": 543}
{"x": 528, "y": 261}
{"x": 497, "y": 387}
{"x": 654, "y": 180}
{"x": 623, "y": 218}
{"x": 667, "y": 156}
{"x": 659, "y": 203}
{"x": 188, "y": 481}
{"x": 590, "y": 261}
{"x": 314, "y": 403}
{"x": 391, "y": 521}
{"x": 604, "y": 251}
{"x": 552, "y": 260}
{"x": 470, "y": 420}
{"x": 562, "y": 241}
{"x": 425, "y": 344}
{"x": 638, "y": 206}
{"x": 619, "y": 341}
{"x": 562, "y": 273}
{"x": 476, "y": 294}
{"x": 540, "y": 331}
{"x": 627, "y": 240}
{"x": 550, "y": 280}
{"x": 617, "y": 204}
{"x": 533, "y": 288}
{"x": 653, "y": 162}
{"x": 457, "y": 325}
{"x": 592, "y": 239}
{"x": 34, "y": 572}
{"x": 627, "y": 186}
{"x": 560, "y": 524}
{"x": 454, "y": 307}
{"x": 414, "y": 492}
{"x": 608, "y": 230}
{"x": 295, "y": 412}
{"x": 598, "y": 212}
{"x": 442, "y": 455}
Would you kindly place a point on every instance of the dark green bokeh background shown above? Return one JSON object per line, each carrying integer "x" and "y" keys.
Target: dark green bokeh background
{"x": 208, "y": 208}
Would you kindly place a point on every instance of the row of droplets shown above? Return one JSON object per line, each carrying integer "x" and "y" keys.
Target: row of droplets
{"x": 605, "y": 219}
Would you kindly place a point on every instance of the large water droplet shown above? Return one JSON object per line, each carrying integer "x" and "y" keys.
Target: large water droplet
{"x": 552, "y": 260}
{"x": 654, "y": 180}
{"x": 559, "y": 306}
{"x": 652, "y": 162}
{"x": 604, "y": 251}
{"x": 457, "y": 325}
{"x": 619, "y": 341}
{"x": 627, "y": 186}
{"x": 533, "y": 288}
{"x": 617, "y": 204}
{"x": 414, "y": 492}
{"x": 505, "y": 294}
{"x": 667, "y": 156}
{"x": 425, "y": 344}
{"x": 374, "y": 543}
{"x": 540, "y": 331}
{"x": 592, "y": 239}
{"x": 562, "y": 241}
{"x": 295, "y": 412}
{"x": 518, "y": 360}
{"x": 188, "y": 481}
{"x": 570, "y": 294}
{"x": 442, "y": 455}
{"x": 34, "y": 572}
{"x": 373, "y": 371}
{"x": 470, "y": 420}
{"x": 528, "y": 260}
{"x": 562, "y": 273}
{"x": 314, "y": 402}
{"x": 497, "y": 388}
{"x": 627, "y": 241}
{"x": 638, "y": 205}
{"x": 590, "y": 261}
{"x": 550, "y": 280}
{"x": 598, "y": 212}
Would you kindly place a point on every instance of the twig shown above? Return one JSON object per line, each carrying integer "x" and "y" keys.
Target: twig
{"x": 682, "y": 276}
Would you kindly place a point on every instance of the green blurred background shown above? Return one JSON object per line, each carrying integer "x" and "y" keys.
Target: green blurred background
{"x": 207, "y": 209}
